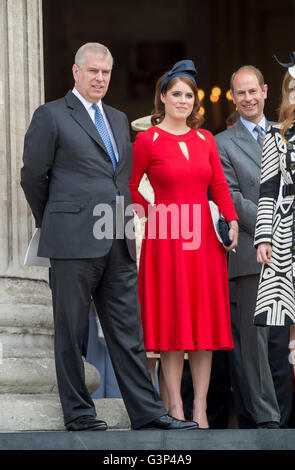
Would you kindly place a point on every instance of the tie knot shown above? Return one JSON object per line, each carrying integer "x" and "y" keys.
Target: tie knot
{"x": 259, "y": 129}
{"x": 95, "y": 107}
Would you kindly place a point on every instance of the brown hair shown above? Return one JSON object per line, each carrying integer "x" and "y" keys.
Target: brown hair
{"x": 194, "y": 120}
{"x": 287, "y": 108}
{"x": 251, "y": 68}
{"x": 232, "y": 118}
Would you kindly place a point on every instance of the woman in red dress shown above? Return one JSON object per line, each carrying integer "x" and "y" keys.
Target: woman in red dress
{"x": 183, "y": 284}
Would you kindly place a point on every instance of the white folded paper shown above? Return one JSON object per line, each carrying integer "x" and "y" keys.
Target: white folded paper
{"x": 215, "y": 214}
{"x": 31, "y": 258}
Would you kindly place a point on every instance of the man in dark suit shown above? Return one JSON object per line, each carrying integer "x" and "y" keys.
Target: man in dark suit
{"x": 77, "y": 165}
{"x": 264, "y": 350}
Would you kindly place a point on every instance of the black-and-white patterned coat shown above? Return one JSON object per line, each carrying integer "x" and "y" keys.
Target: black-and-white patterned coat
{"x": 275, "y": 224}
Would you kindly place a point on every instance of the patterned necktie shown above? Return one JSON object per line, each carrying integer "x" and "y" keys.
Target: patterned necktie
{"x": 261, "y": 135}
{"x": 104, "y": 134}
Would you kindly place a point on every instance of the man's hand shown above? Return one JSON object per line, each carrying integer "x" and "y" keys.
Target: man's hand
{"x": 264, "y": 251}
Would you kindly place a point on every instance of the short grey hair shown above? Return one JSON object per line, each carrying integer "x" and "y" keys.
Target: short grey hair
{"x": 92, "y": 48}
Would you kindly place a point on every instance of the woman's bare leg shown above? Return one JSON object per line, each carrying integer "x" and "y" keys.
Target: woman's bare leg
{"x": 172, "y": 367}
{"x": 200, "y": 365}
{"x": 152, "y": 361}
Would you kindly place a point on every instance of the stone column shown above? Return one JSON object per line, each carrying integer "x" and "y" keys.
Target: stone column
{"x": 28, "y": 391}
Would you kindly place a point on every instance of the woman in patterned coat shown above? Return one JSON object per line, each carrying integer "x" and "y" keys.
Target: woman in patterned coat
{"x": 275, "y": 234}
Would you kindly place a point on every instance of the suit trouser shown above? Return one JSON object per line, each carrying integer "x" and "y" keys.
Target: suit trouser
{"x": 98, "y": 355}
{"x": 112, "y": 282}
{"x": 265, "y": 358}
{"x": 239, "y": 382}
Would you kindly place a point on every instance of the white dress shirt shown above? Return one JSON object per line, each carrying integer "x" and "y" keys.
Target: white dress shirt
{"x": 91, "y": 113}
{"x": 250, "y": 126}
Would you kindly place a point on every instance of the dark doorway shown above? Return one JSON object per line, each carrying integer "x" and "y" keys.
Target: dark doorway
{"x": 147, "y": 37}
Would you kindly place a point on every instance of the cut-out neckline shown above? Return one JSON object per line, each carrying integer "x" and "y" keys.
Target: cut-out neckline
{"x": 181, "y": 143}
{"x": 184, "y": 149}
{"x": 180, "y": 138}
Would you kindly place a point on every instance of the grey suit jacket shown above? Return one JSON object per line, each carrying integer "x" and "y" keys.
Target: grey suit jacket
{"x": 67, "y": 173}
{"x": 241, "y": 160}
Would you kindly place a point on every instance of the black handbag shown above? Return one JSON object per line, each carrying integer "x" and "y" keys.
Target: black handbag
{"x": 220, "y": 225}
{"x": 223, "y": 228}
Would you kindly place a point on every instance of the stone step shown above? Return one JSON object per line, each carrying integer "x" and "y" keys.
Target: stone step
{"x": 33, "y": 412}
{"x": 188, "y": 441}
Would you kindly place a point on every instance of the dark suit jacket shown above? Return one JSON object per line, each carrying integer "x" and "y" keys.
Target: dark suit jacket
{"x": 63, "y": 143}
{"x": 241, "y": 160}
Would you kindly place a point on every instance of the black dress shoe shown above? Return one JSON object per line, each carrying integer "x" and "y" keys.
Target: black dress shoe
{"x": 168, "y": 422}
{"x": 268, "y": 425}
{"x": 86, "y": 423}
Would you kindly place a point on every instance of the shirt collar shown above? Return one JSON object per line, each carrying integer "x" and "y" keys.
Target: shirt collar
{"x": 250, "y": 125}
{"x": 86, "y": 103}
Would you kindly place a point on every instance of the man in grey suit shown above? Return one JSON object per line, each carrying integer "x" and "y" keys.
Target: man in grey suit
{"x": 264, "y": 350}
{"x": 77, "y": 165}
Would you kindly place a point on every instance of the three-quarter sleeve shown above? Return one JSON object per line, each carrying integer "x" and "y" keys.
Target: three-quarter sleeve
{"x": 141, "y": 162}
{"x": 269, "y": 190}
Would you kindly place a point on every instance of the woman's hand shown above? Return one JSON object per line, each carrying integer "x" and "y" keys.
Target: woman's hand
{"x": 264, "y": 251}
{"x": 233, "y": 235}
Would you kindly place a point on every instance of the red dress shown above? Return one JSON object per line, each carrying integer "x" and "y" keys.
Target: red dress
{"x": 183, "y": 283}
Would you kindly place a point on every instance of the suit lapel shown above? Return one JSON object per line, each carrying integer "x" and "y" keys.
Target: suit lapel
{"x": 116, "y": 127}
{"x": 243, "y": 139}
{"x": 82, "y": 117}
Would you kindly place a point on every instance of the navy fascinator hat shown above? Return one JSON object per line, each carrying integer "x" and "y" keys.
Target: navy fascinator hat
{"x": 182, "y": 68}
{"x": 290, "y": 65}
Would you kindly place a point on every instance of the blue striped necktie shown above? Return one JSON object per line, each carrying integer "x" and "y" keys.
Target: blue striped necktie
{"x": 104, "y": 134}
